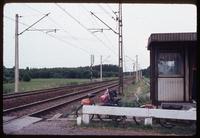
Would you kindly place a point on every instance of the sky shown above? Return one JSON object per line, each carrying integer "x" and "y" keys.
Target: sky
{"x": 77, "y": 34}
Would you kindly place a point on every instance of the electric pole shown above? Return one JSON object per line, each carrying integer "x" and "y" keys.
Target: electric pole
{"x": 91, "y": 71}
{"x": 17, "y": 46}
{"x": 133, "y": 69}
{"x": 120, "y": 50}
{"x": 16, "y": 54}
{"x": 120, "y": 43}
{"x": 136, "y": 70}
{"x": 101, "y": 68}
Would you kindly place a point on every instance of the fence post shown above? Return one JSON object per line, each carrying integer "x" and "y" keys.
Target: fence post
{"x": 86, "y": 119}
{"x": 148, "y": 121}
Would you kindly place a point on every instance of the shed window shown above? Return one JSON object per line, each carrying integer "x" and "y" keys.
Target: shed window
{"x": 170, "y": 64}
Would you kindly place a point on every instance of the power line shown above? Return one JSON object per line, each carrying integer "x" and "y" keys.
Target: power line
{"x": 32, "y": 8}
{"x": 74, "y": 19}
{"x": 104, "y": 34}
{"x": 71, "y": 16}
{"x": 130, "y": 58}
{"x": 83, "y": 26}
{"x": 14, "y": 20}
{"x": 103, "y": 22}
{"x": 111, "y": 9}
{"x": 96, "y": 23}
{"x": 106, "y": 11}
{"x": 70, "y": 44}
{"x": 34, "y": 23}
{"x": 52, "y": 20}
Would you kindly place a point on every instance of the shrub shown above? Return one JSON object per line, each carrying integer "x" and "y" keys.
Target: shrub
{"x": 26, "y": 77}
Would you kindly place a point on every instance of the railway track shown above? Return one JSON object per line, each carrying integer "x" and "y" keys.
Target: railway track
{"x": 61, "y": 107}
{"x": 18, "y": 99}
{"x": 20, "y": 94}
{"x": 43, "y": 106}
{"x": 48, "y": 107}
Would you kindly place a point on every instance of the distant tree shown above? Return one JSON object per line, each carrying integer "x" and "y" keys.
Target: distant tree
{"x": 146, "y": 72}
{"x": 26, "y": 75}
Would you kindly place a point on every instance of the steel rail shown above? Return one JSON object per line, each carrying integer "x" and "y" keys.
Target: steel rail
{"x": 42, "y": 111}
{"x": 70, "y": 101}
{"x": 20, "y": 94}
{"x": 43, "y": 96}
{"x": 51, "y": 99}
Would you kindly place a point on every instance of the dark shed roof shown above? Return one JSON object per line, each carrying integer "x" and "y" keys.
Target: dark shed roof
{"x": 169, "y": 37}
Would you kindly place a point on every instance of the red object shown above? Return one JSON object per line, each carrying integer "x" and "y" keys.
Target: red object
{"x": 150, "y": 106}
{"x": 87, "y": 101}
{"x": 104, "y": 98}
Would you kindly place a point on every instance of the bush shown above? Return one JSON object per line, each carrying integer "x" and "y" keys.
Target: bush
{"x": 26, "y": 77}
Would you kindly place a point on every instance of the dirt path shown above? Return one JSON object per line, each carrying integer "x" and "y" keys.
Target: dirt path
{"x": 63, "y": 127}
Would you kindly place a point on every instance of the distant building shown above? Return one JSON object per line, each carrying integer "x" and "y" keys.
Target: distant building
{"x": 173, "y": 67}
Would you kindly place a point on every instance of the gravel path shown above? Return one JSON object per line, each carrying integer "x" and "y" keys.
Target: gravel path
{"x": 64, "y": 127}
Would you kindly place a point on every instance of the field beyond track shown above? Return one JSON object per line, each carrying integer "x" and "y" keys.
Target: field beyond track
{"x": 36, "y": 84}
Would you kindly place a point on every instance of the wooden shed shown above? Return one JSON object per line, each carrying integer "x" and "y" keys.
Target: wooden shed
{"x": 173, "y": 67}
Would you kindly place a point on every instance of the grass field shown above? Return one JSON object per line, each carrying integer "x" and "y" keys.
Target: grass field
{"x": 129, "y": 94}
{"x": 36, "y": 84}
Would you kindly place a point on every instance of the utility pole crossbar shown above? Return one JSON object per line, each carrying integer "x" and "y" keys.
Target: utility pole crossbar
{"x": 34, "y": 23}
{"x": 103, "y": 22}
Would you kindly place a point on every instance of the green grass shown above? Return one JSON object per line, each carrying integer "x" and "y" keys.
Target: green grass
{"x": 115, "y": 125}
{"x": 36, "y": 84}
{"x": 176, "y": 131}
{"x": 147, "y": 79}
{"x": 128, "y": 100}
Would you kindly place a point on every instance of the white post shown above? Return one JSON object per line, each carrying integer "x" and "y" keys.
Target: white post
{"x": 86, "y": 119}
{"x": 78, "y": 120}
{"x": 16, "y": 55}
{"x": 101, "y": 69}
{"x": 148, "y": 121}
{"x": 136, "y": 69}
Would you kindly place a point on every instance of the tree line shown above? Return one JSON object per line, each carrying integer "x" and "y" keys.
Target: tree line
{"x": 108, "y": 70}
{"x": 79, "y": 72}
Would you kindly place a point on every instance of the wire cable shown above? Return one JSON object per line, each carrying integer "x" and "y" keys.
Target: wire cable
{"x": 99, "y": 27}
{"x": 83, "y": 26}
{"x": 101, "y": 7}
{"x": 52, "y": 20}
{"x": 66, "y": 42}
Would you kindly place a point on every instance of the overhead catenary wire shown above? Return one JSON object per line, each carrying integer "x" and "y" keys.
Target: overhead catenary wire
{"x": 51, "y": 19}
{"x": 78, "y": 23}
{"x": 64, "y": 30}
{"x": 83, "y": 26}
{"x": 66, "y": 42}
{"x": 106, "y": 11}
{"x": 105, "y": 36}
{"x": 67, "y": 32}
{"x": 34, "y": 23}
{"x": 111, "y": 9}
{"x": 97, "y": 24}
